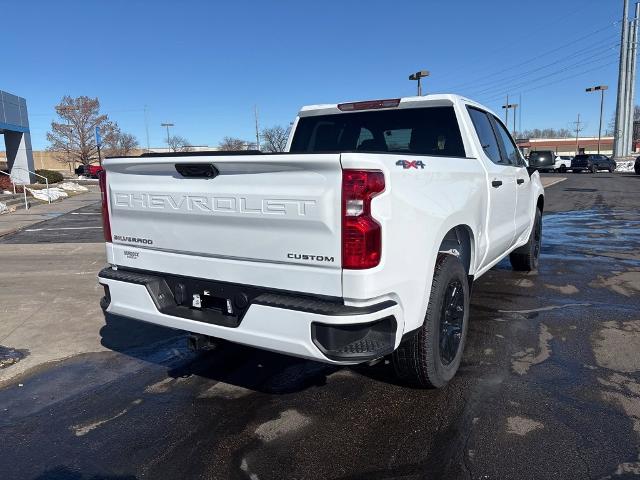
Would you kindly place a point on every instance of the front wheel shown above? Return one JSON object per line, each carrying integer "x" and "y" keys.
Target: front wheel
{"x": 594, "y": 169}
{"x": 525, "y": 258}
{"x": 432, "y": 355}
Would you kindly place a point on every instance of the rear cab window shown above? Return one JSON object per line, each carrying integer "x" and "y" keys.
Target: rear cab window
{"x": 425, "y": 131}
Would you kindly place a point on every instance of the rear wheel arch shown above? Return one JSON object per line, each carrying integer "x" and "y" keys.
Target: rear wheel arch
{"x": 459, "y": 241}
{"x": 540, "y": 203}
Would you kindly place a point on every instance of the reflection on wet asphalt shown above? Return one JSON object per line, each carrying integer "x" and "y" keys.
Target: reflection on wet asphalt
{"x": 549, "y": 388}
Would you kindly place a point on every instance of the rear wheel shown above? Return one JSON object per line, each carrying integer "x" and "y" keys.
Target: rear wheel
{"x": 593, "y": 169}
{"x": 562, "y": 169}
{"x": 611, "y": 169}
{"x": 432, "y": 355}
{"x": 525, "y": 258}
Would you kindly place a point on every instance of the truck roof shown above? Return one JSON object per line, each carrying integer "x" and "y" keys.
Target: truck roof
{"x": 436, "y": 99}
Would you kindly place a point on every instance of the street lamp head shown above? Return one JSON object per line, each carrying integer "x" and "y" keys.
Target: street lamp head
{"x": 419, "y": 74}
{"x": 597, "y": 88}
{"x": 167, "y": 125}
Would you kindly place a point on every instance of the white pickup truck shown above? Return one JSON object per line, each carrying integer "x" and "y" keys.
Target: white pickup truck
{"x": 361, "y": 241}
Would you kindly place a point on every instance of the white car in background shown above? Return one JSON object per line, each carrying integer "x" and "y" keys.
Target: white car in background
{"x": 562, "y": 163}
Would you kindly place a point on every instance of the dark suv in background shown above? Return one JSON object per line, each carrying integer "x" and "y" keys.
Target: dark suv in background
{"x": 636, "y": 166}
{"x": 592, "y": 163}
{"x": 543, "y": 160}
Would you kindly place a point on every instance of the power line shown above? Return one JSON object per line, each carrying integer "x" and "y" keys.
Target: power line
{"x": 580, "y": 64}
{"x": 560, "y": 80}
{"x": 548, "y": 52}
{"x": 590, "y": 49}
{"x": 521, "y": 38}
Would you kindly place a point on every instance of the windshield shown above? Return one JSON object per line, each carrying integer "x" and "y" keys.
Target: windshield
{"x": 426, "y": 131}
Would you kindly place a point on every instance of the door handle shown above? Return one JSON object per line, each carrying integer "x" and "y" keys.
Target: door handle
{"x": 496, "y": 183}
{"x": 520, "y": 181}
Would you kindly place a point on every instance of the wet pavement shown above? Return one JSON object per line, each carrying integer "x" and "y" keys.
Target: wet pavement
{"x": 549, "y": 386}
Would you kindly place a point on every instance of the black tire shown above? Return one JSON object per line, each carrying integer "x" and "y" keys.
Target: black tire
{"x": 525, "y": 258}
{"x": 611, "y": 169}
{"x": 593, "y": 169}
{"x": 562, "y": 169}
{"x": 421, "y": 360}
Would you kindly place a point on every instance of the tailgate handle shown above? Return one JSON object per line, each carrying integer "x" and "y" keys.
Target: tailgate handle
{"x": 197, "y": 170}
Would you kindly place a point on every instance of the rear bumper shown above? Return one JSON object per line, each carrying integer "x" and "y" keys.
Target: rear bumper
{"x": 321, "y": 329}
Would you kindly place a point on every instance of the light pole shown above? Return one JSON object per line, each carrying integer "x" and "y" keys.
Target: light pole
{"x": 167, "y": 125}
{"x": 417, "y": 76}
{"x": 602, "y": 88}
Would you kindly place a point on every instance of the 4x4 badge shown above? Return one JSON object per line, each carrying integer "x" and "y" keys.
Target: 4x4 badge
{"x": 410, "y": 164}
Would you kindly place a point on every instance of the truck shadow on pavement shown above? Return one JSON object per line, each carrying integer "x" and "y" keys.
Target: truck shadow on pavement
{"x": 231, "y": 363}
{"x": 64, "y": 473}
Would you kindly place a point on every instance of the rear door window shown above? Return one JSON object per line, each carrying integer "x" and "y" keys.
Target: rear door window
{"x": 425, "y": 131}
{"x": 509, "y": 149}
{"x": 485, "y": 133}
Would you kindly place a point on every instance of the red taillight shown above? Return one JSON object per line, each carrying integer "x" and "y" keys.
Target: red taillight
{"x": 106, "y": 225}
{"x": 361, "y": 234}
{"x": 369, "y": 105}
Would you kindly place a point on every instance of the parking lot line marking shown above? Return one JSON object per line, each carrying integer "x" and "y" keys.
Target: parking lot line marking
{"x": 61, "y": 228}
{"x": 85, "y": 213}
{"x": 557, "y": 180}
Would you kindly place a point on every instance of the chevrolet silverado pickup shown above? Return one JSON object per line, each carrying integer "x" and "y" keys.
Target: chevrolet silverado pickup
{"x": 361, "y": 241}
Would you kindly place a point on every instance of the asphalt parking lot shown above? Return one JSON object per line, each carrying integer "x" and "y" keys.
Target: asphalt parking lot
{"x": 549, "y": 386}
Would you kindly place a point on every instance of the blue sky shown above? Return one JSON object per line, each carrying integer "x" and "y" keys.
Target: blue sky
{"x": 203, "y": 65}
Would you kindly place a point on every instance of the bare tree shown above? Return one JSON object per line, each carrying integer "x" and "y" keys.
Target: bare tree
{"x": 73, "y": 137}
{"x": 116, "y": 143}
{"x": 545, "y": 133}
{"x": 612, "y": 123}
{"x": 179, "y": 144}
{"x": 274, "y": 139}
{"x": 231, "y": 144}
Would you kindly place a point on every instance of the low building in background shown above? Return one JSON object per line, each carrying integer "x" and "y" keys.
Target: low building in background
{"x": 567, "y": 146}
{"x": 44, "y": 159}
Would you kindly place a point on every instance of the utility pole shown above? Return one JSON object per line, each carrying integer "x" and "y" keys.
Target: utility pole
{"x": 506, "y": 111}
{"x": 146, "y": 126}
{"x": 255, "y": 111}
{"x": 506, "y": 115}
{"x": 631, "y": 81}
{"x": 620, "y": 127}
{"x": 417, "y": 76}
{"x": 578, "y": 129}
{"x": 168, "y": 138}
{"x": 520, "y": 114}
{"x": 600, "y": 88}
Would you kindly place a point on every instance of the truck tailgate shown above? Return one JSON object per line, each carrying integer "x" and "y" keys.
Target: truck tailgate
{"x": 283, "y": 209}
